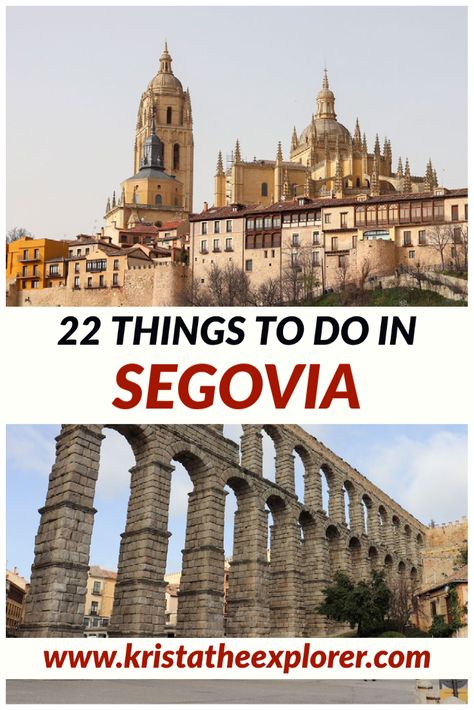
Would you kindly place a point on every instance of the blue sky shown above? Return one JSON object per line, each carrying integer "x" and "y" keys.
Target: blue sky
{"x": 75, "y": 76}
{"x": 424, "y": 468}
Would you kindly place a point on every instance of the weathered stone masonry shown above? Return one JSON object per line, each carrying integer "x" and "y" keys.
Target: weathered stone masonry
{"x": 268, "y": 595}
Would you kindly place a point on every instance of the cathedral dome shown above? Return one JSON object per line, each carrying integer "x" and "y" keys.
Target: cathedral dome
{"x": 165, "y": 81}
{"x": 324, "y": 122}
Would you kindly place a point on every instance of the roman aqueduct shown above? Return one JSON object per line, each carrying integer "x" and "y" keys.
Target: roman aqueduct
{"x": 269, "y": 594}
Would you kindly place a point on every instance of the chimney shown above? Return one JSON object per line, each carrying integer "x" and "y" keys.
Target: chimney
{"x": 206, "y": 207}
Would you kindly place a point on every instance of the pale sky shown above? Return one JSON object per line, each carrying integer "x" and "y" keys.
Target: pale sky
{"x": 411, "y": 463}
{"x": 75, "y": 76}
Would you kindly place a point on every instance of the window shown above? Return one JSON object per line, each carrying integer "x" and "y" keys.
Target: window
{"x": 96, "y": 588}
{"x": 176, "y": 156}
{"x": 215, "y": 245}
{"x": 454, "y": 213}
{"x": 203, "y": 246}
{"x": 101, "y": 281}
{"x": 439, "y": 211}
{"x": 294, "y": 258}
{"x": 334, "y": 243}
{"x": 228, "y": 225}
{"x": 36, "y": 253}
{"x": 169, "y": 115}
{"x": 360, "y": 215}
{"x": 422, "y": 236}
{"x": 76, "y": 267}
{"x": 393, "y": 214}
{"x": 115, "y": 280}
{"x": 342, "y": 261}
{"x": 228, "y": 244}
{"x": 382, "y": 214}
{"x": 264, "y": 189}
{"x": 94, "y": 608}
{"x": 411, "y": 254}
{"x": 457, "y": 235}
{"x": 327, "y": 218}
{"x": 267, "y": 223}
{"x": 204, "y": 228}
{"x": 407, "y": 239}
{"x": 354, "y": 241}
{"x": 310, "y": 217}
{"x": 250, "y": 241}
{"x": 405, "y": 212}
{"x": 89, "y": 282}
{"x": 294, "y": 219}
{"x": 371, "y": 215}
{"x": 25, "y": 253}
{"x": 35, "y": 270}
{"x": 87, "y": 250}
{"x": 302, "y": 218}
{"x": 315, "y": 258}
{"x": 465, "y": 211}
{"x": 217, "y": 227}
{"x": 286, "y": 219}
{"x": 427, "y": 211}
{"x": 315, "y": 237}
{"x": 79, "y": 252}
{"x": 54, "y": 269}
{"x": 415, "y": 212}
{"x": 248, "y": 264}
{"x": 76, "y": 282}
{"x": 258, "y": 223}
{"x": 273, "y": 253}
{"x": 265, "y": 254}
{"x": 116, "y": 264}
{"x": 25, "y": 271}
{"x": 343, "y": 217}
{"x": 96, "y": 265}
{"x": 295, "y": 240}
{"x": 250, "y": 224}
{"x": 158, "y": 199}
{"x": 277, "y": 222}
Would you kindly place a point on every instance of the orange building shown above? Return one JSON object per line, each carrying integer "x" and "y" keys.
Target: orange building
{"x": 26, "y": 261}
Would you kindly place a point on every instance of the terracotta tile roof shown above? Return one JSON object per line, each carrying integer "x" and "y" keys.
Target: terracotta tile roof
{"x": 141, "y": 229}
{"x": 96, "y": 571}
{"x": 222, "y": 212}
{"x": 171, "y": 225}
{"x": 458, "y": 577}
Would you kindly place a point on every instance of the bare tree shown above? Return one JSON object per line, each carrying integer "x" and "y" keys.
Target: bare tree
{"x": 403, "y": 604}
{"x": 227, "y": 286}
{"x": 364, "y": 273}
{"x": 342, "y": 272}
{"x": 300, "y": 274}
{"x": 16, "y": 233}
{"x": 439, "y": 236}
{"x": 458, "y": 239}
{"x": 267, "y": 293}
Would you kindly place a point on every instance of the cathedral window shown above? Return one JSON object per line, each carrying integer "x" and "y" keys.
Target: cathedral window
{"x": 264, "y": 189}
{"x": 176, "y": 156}
{"x": 158, "y": 199}
{"x": 169, "y": 115}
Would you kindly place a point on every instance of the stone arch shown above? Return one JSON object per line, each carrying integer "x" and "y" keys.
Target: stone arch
{"x": 402, "y": 568}
{"x": 373, "y": 556}
{"x": 284, "y": 460}
{"x": 407, "y": 540}
{"x": 382, "y": 517}
{"x": 355, "y": 553}
{"x": 388, "y": 569}
{"x": 169, "y": 115}
{"x": 396, "y": 533}
{"x": 336, "y": 557}
{"x": 314, "y": 568}
{"x": 327, "y": 484}
{"x": 368, "y": 521}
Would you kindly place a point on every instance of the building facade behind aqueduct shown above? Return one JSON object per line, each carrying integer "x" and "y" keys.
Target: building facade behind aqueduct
{"x": 272, "y": 594}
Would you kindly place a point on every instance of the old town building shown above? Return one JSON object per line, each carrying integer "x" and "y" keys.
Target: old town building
{"x": 325, "y": 158}
{"x": 161, "y": 188}
{"x": 27, "y": 262}
{"x": 99, "y": 600}
{"x": 16, "y": 591}
{"x": 323, "y": 241}
{"x": 445, "y": 598}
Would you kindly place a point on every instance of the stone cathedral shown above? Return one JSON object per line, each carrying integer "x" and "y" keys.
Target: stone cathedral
{"x": 161, "y": 187}
{"x": 325, "y": 159}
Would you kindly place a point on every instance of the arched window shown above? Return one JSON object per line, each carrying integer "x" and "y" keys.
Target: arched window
{"x": 264, "y": 190}
{"x": 358, "y": 182}
{"x": 169, "y": 115}
{"x": 158, "y": 200}
{"x": 176, "y": 156}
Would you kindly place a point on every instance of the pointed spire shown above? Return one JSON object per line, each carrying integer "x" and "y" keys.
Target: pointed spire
{"x": 429, "y": 177}
{"x": 286, "y": 186}
{"x": 122, "y": 197}
{"x": 220, "y": 166}
{"x": 237, "y": 156}
{"x": 294, "y": 139}
{"x": 364, "y": 143}
{"x": 399, "y": 173}
{"x": 357, "y": 138}
{"x": 113, "y": 199}
{"x": 435, "y": 179}
{"x": 406, "y": 187}
{"x": 153, "y": 121}
{"x": 377, "y": 145}
{"x": 107, "y": 207}
{"x": 279, "y": 158}
{"x": 325, "y": 79}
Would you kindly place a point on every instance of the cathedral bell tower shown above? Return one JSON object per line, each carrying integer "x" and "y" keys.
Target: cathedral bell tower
{"x": 168, "y": 106}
